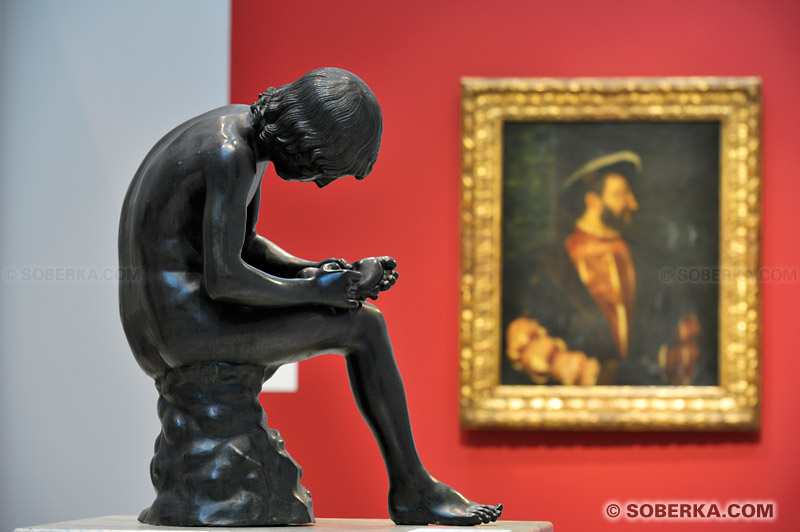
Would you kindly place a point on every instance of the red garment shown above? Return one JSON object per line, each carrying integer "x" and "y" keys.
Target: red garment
{"x": 605, "y": 266}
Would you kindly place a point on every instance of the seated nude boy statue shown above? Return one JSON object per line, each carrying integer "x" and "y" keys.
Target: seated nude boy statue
{"x": 209, "y": 303}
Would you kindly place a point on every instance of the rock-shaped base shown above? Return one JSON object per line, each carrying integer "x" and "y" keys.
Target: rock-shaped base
{"x": 216, "y": 462}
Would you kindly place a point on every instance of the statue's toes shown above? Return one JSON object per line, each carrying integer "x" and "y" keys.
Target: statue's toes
{"x": 497, "y": 510}
{"x": 483, "y": 513}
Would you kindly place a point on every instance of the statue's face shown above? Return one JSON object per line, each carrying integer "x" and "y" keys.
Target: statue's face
{"x": 293, "y": 170}
{"x": 343, "y": 156}
{"x": 323, "y": 181}
{"x": 298, "y": 167}
{"x": 291, "y": 167}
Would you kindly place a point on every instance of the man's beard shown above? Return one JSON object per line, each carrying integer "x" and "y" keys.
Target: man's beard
{"x": 619, "y": 222}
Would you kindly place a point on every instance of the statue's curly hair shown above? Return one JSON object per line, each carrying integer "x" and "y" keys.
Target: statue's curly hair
{"x": 328, "y": 121}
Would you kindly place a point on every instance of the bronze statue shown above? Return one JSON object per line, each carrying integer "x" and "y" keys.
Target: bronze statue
{"x": 212, "y": 309}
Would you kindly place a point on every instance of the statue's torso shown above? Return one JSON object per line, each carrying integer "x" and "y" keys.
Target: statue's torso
{"x": 161, "y": 228}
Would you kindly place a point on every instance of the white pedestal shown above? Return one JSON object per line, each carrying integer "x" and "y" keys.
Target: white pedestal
{"x": 128, "y": 523}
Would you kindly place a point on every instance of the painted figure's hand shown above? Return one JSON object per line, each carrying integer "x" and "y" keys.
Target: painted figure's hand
{"x": 379, "y": 274}
{"x": 574, "y": 367}
{"x": 336, "y": 287}
{"x": 545, "y": 358}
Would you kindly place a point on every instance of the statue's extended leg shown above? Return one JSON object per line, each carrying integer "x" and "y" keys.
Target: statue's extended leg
{"x": 415, "y": 497}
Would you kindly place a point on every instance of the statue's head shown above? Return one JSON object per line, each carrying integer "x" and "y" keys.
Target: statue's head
{"x": 323, "y": 126}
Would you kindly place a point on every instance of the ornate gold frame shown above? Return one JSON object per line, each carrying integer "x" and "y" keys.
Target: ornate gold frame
{"x": 734, "y": 404}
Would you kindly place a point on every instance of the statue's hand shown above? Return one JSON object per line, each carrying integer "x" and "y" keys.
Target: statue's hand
{"x": 378, "y": 275}
{"x": 343, "y": 264}
{"x": 336, "y": 287}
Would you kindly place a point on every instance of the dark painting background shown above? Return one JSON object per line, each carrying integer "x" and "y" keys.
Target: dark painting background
{"x": 676, "y": 226}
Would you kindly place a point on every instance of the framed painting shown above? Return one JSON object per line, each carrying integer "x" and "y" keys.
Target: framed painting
{"x": 610, "y": 253}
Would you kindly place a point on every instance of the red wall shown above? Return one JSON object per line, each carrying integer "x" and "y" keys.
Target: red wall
{"x": 412, "y": 54}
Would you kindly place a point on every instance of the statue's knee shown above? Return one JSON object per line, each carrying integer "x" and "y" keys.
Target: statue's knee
{"x": 371, "y": 320}
{"x": 372, "y": 314}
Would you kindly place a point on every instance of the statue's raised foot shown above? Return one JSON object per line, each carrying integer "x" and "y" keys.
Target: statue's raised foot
{"x": 216, "y": 462}
{"x": 436, "y": 503}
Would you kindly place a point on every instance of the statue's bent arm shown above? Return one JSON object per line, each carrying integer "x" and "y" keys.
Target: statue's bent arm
{"x": 227, "y": 277}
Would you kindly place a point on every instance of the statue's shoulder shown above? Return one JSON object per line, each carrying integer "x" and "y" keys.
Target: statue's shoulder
{"x": 226, "y": 112}
{"x": 205, "y": 133}
{"x": 228, "y": 117}
{"x": 199, "y": 140}
{"x": 223, "y": 121}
